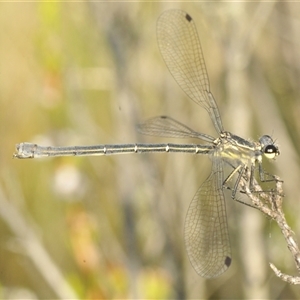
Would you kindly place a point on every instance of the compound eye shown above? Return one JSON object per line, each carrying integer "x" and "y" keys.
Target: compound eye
{"x": 270, "y": 151}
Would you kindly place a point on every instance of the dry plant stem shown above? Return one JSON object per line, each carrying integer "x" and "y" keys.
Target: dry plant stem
{"x": 29, "y": 243}
{"x": 270, "y": 203}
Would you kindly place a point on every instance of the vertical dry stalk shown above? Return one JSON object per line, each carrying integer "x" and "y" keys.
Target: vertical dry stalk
{"x": 270, "y": 203}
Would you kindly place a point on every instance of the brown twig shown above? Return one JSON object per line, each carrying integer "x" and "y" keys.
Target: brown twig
{"x": 270, "y": 203}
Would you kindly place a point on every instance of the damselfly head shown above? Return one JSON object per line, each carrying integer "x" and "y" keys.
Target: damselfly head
{"x": 268, "y": 147}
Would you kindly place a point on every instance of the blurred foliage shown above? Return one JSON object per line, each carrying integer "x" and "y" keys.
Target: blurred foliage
{"x": 112, "y": 227}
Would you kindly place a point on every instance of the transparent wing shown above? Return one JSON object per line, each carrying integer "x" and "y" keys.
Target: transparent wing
{"x": 168, "y": 127}
{"x": 206, "y": 232}
{"x": 180, "y": 47}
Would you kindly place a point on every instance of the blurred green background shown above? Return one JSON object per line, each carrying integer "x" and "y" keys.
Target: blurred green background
{"x": 112, "y": 227}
